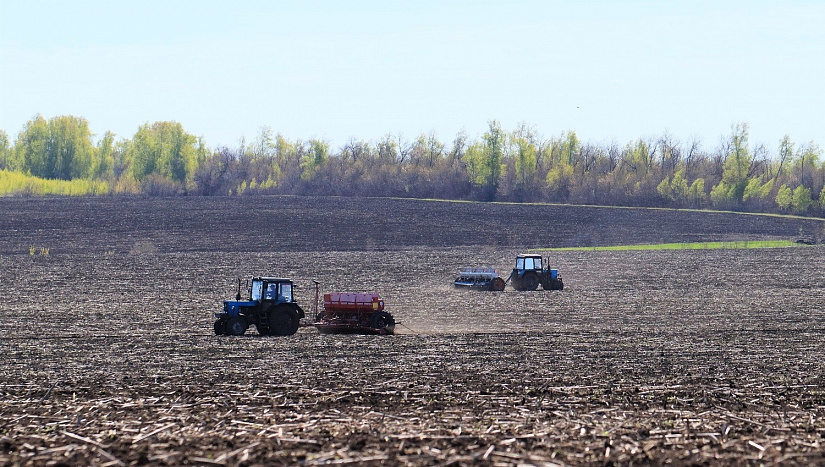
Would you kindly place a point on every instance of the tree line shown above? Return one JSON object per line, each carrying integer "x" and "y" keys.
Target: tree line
{"x": 518, "y": 165}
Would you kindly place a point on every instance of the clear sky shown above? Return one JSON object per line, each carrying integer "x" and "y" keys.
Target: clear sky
{"x": 336, "y": 70}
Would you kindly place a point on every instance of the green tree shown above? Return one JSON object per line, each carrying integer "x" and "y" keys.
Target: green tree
{"x": 801, "y": 200}
{"x": 103, "y": 162}
{"x": 525, "y": 153}
{"x": 476, "y": 166}
{"x": 806, "y": 162}
{"x": 784, "y": 197}
{"x": 696, "y": 192}
{"x": 314, "y": 159}
{"x": 563, "y": 155}
{"x": 679, "y": 185}
{"x": 7, "y": 161}
{"x": 71, "y": 146}
{"x": 723, "y": 195}
{"x": 164, "y": 149}
{"x": 60, "y": 148}
{"x": 757, "y": 190}
{"x": 737, "y": 166}
{"x": 785, "y": 154}
{"x": 483, "y": 160}
{"x": 664, "y": 189}
{"x": 32, "y": 148}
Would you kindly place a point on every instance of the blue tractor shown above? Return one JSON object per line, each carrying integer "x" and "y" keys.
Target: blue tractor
{"x": 530, "y": 272}
{"x": 271, "y": 307}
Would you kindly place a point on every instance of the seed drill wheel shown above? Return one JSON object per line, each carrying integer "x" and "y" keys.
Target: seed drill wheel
{"x": 530, "y": 281}
{"x": 220, "y": 327}
{"x": 497, "y": 284}
{"x": 236, "y": 326}
{"x": 283, "y": 322}
{"x": 383, "y": 320}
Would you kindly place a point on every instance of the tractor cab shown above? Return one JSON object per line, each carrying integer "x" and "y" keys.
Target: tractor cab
{"x": 271, "y": 289}
{"x": 530, "y": 272}
{"x": 529, "y": 263}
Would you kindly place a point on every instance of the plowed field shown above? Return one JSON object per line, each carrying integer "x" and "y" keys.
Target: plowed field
{"x": 646, "y": 357}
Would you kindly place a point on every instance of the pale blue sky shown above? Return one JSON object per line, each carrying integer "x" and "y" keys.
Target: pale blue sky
{"x": 610, "y": 70}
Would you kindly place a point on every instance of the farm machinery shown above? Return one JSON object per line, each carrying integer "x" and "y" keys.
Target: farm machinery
{"x": 527, "y": 275}
{"x": 353, "y": 313}
{"x": 530, "y": 272}
{"x": 480, "y": 278}
{"x": 271, "y": 307}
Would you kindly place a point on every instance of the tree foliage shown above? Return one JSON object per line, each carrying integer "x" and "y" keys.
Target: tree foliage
{"x": 161, "y": 158}
{"x": 163, "y": 149}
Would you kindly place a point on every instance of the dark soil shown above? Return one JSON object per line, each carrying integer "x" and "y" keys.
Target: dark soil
{"x": 646, "y": 357}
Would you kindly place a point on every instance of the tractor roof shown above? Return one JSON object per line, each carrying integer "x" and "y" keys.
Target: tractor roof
{"x": 529, "y": 256}
{"x": 270, "y": 279}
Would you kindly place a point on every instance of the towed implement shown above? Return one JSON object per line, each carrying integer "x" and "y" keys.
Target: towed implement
{"x": 480, "y": 278}
{"x": 354, "y": 313}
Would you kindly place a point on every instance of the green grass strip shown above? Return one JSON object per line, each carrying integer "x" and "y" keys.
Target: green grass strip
{"x": 738, "y": 245}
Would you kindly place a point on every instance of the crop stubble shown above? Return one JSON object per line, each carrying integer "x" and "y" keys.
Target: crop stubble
{"x": 646, "y": 357}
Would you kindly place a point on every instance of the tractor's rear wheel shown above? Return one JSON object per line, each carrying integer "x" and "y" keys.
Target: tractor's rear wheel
{"x": 283, "y": 322}
{"x": 497, "y": 284}
{"x": 530, "y": 281}
{"x": 220, "y": 327}
{"x": 236, "y": 326}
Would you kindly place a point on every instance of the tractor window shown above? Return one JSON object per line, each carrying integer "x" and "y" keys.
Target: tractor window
{"x": 519, "y": 263}
{"x": 286, "y": 291}
{"x": 257, "y": 288}
{"x": 528, "y": 263}
{"x": 537, "y": 262}
{"x": 271, "y": 291}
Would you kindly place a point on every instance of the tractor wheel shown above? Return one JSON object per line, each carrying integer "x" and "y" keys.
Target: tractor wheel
{"x": 530, "y": 281}
{"x": 262, "y": 329}
{"x": 220, "y": 327}
{"x": 383, "y": 320}
{"x": 553, "y": 284}
{"x": 236, "y": 326}
{"x": 283, "y": 322}
{"x": 497, "y": 284}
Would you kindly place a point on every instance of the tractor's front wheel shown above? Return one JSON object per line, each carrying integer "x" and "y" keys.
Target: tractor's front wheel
{"x": 283, "y": 322}
{"x": 553, "y": 284}
{"x": 236, "y": 326}
{"x": 220, "y": 327}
